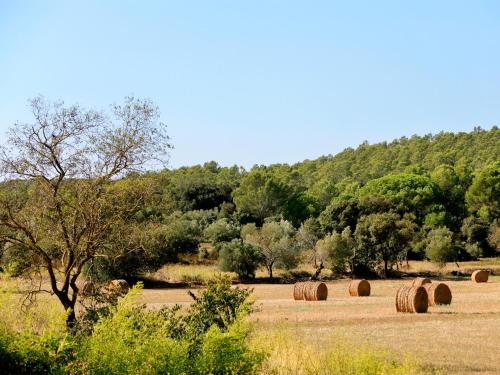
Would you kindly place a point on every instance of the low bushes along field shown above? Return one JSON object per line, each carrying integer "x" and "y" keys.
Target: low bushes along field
{"x": 211, "y": 337}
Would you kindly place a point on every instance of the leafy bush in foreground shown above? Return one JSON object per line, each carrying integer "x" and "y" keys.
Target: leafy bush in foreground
{"x": 209, "y": 339}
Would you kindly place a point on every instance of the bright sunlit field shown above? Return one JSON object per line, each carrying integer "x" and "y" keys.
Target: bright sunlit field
{"x": 459, "y": 338}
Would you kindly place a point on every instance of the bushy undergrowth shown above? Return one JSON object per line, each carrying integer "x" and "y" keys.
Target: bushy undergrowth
{"x": 209, "y": 338}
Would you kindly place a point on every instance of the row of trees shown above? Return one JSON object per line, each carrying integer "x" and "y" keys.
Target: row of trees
{"x": 76, "y": 197}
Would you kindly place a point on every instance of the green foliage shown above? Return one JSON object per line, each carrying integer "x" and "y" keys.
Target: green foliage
{"x": 340, "y": 214}
{"x": 339, "y": 249}
{"x": 382, "y": 237}
{"x": 209, "y": 338}
{"x": 483, "y": 196}
{"x": 452, "y": 188}
{"x": 474, "y": 250}
{"x": 300, "y": 207}
{"x": 218, "y": 305}
{"x": 309, "y": 233}
{"x": 476, "y": 232}
{"x": 409, "y": 192}
{"x": 261, "y": 195}
{"x": 26, "y": 350}
{"x": 132, "y": 340}
{"x": 276, "y": 241}
{"x": 239, "y": 257}
{"x": 440, "y": 247}
{"x": 199, "y": 187}
{"x": 15, "y": 259}
{"x": 134, "y": 249}
{"x": 228, "y": 352}
{"x": 221, "y": 230}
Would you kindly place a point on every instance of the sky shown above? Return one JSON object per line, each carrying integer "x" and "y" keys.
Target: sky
{"x": 260, "y": 82}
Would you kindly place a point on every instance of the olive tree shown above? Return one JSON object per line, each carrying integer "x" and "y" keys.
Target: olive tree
{"x": 339, "y": 248}
{"x": 382, "y": 238}
{"x": 308, "y": 235}
{"x": 65, "y": 161}
{"x": 276, "y": 241}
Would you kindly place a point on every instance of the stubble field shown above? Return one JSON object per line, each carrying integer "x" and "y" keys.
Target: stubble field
{"x": 462, "y": 338}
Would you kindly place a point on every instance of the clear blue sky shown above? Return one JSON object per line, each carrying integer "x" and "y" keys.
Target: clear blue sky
{"x": 260, "y": 82}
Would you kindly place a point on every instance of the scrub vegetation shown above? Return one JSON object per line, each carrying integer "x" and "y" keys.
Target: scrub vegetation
{"x": 86, "y": 198}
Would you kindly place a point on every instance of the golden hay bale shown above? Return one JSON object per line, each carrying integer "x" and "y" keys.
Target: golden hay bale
{"x": 298, "y": 291}
{"x": 480, "y": 276}
{"x": 359, "y": 288}
{"x": 120, "y": 286}
{"x": 420, "y": 281}
{"x": 85, "y": 288}
{"x": 412, "y": 299}
{"x": 315, "y": 291}
{"x": 438, "y": 294}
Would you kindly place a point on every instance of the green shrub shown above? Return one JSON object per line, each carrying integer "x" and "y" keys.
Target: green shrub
{"x": 239, "y": 257}
{"x": 440, "y": 247}
{"x": 208, "y": 339}
{"x": 221, "y": 230}
{"x": 132, "y": 341}
{"x": 228, "y": 352}
{"x": 29, "y": 352}
{"x": 218, "y": 305}
{"x": 474, "y": 250}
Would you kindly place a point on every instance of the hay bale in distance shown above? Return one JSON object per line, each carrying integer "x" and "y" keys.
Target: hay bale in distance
{"x": 121, "y": 286}
{"x": 420, "y": 281}
{"x": 315, "y": 291}
{"x": 298, "y": 291}
{"x": 438, "y": 294}
{"x": 359, "y": 288}
{"x": 412, "y": 299}
{"x": 480, "y": 276}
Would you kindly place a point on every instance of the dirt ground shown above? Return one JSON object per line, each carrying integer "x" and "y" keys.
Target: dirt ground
{"x": 462, "y": 338}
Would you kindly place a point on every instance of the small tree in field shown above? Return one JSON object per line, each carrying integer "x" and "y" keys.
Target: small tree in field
{"x": 440, "y": 246}
{"x": 307, "y": 236}
{"x": 239, "y": 257}
{"x": 58, "y": 207}
{"x": 275, "y": 239}
{"x": 382, "y": 238}
{"x": 339, "y": 248}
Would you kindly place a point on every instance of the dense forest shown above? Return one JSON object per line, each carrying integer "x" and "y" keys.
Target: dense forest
{"x": 362, "y": 211}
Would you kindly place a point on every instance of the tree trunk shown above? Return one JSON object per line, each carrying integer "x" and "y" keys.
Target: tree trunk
{"x": 71, "y": 319}
{"x": 270, "y": 270}
{"x": 69, "y": 307}
{"x": 318, "y": 271}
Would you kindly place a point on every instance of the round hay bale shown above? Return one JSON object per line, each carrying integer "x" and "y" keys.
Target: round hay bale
{"x": 420, "y": 281}
{"x": 121, "y": 286}
{"x": 359, "y": 288}
{"x": 438, "y": 294}
{"x": 298, "y": 291}
{"x": 412, "y": 299}
{"x": 480, "y": 276}
{"x": 315, "y": 291}
{"x": 85, "y": 288}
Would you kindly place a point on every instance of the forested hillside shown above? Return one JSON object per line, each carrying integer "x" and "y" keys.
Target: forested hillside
{"x": 362, "y": 210}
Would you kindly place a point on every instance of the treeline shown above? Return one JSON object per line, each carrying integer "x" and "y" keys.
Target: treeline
{"x": 361, "y": 211}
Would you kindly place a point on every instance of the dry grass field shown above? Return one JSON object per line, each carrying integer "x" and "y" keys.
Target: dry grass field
{"x": 463, "y": 338}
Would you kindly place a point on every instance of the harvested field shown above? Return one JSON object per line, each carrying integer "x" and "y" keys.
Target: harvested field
{"x": 459, "y": 338}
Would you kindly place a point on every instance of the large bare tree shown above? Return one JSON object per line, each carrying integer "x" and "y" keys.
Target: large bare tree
{"x": 56, "y": 205}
